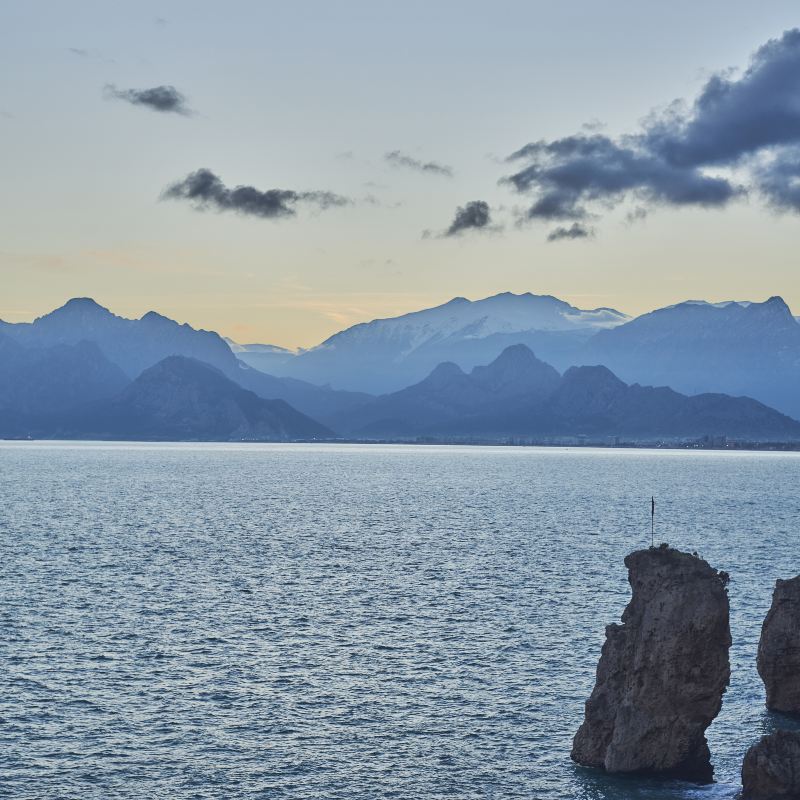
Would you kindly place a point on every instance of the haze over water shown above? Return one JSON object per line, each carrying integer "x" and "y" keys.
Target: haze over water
{"x": 259, "y": 621}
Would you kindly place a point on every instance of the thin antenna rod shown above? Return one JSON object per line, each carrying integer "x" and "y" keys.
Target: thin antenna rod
{"x": 652, "y": 522}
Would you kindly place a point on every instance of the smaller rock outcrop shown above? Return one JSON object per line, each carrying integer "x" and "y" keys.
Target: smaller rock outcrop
{"x": 771, "y": 768}
{"x": 779, "y": 648}
{"x": 662, "y": 673}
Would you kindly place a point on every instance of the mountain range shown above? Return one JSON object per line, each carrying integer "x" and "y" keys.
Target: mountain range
{"x": 461, "y": 369}
{"x": 519, "y": 395}
{"x": 388, "y": 354}
{"x": 738, "y": 348}
{"x": 180, "y": 398}
{"x": 133, "y": 345}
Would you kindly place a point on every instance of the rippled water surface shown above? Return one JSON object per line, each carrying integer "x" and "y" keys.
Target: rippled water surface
{"x": 214, "y": 621}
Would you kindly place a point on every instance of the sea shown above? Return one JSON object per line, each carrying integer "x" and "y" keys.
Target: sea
{"x": 352, "y": 621}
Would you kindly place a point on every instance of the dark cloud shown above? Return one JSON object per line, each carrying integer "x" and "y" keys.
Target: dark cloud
{"x": 575, "y": 231}
{"x": 159, "y": 98}
{"x": 779, "y": 180}
{"x": 77, "y": 51}
{"x": 750, "y": 123}
{"x": 569, "y": 174}
{"x": 735, "y": 117}
{"x": 398, "y": 159}
{"x": 206, "y": 191}
{"x": 472, "y": 216}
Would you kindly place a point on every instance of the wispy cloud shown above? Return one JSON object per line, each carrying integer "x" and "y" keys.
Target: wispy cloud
{"x": 166, "y": 99}
{"x": 740, "y": 135}
{"x": 399, "y": 159}
{"x": 204, "y": 190}
{"x": 574, "y": 231}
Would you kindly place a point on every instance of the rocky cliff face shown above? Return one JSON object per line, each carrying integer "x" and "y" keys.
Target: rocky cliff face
{"x": 662, "y": 673}
{"x": 771, "y": 769}
{"x": 779, "y": 648}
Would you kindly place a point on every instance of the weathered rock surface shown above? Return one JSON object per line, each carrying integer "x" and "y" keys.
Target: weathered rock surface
{"x": 662, "y": 673}
{"x": 779, "y": 648}
{"x": 771, "y": 769}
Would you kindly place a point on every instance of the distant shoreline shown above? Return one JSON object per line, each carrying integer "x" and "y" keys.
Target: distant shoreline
{"x": 688, "y": 445}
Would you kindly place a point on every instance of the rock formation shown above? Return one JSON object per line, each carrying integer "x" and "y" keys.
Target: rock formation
{"x": 662, "y": 673}
{"x": 779, "y": 648}
{"x": 771, "y": 769}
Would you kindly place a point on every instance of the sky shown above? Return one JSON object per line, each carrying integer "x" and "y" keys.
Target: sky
{"x": 393, "y": 156}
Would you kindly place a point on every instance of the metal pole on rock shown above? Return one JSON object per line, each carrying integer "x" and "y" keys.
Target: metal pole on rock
{"x": 652, "y": 522}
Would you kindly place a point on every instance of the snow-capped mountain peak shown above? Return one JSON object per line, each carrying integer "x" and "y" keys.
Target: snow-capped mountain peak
{"x": 504, "y": 313}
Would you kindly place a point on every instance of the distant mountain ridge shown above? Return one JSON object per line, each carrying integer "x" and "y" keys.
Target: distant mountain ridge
{"x": 134, "y": 345}
{"x": 264, "y": 357}
{"x": 37, "y": 380}
{"x": 449, "y": 393}
{"x": 734, "y": 347}
{"x": 519, "y": 395}
{"x": 183, "y": 398}
{"x": 489, "y": 379}
{"x": 180, "y": 398}
{"x": 387, "y": 354}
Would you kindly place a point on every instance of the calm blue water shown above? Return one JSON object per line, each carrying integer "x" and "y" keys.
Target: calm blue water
{"x": 215, "y": 621}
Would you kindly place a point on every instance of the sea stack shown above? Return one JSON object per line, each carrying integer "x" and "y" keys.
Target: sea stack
{"x": 771, "y": 769}
{"x": 662, "y": 672}
{"x": 779, "y": 648}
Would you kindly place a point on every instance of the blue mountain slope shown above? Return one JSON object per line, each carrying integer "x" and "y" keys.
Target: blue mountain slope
{"x": 38, "y": 380}
{"x": 137, "y": 344}
{"x": 518, "y": 395}
{"x": 734, "y": 348}
{"x": 181, "y": 398}
{"x": 388, "y": 354}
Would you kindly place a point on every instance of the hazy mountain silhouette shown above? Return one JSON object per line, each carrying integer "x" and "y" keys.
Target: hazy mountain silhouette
{"x": 264, "y": 357}
{"x": 735, "y": 348}
{"x": 182, "y": 398}
{"x": 136, "y": 344}
{"x": 320, "y": 402}
{"x": 519, "y": 395}
{"x": 448, "y": 394}
{"x": 388, "y": 354}
{"x": 82, "y": 352}
{"x": 132, "y": 344}
{"x": 693, "y": 347}
{"x": 516, "y": 372}
{"x": 40, "y": 380}
{"x": 594, "y": 401}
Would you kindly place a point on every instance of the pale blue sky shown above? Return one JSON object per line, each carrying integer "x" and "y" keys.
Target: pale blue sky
{"x": 310, "y": 96}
